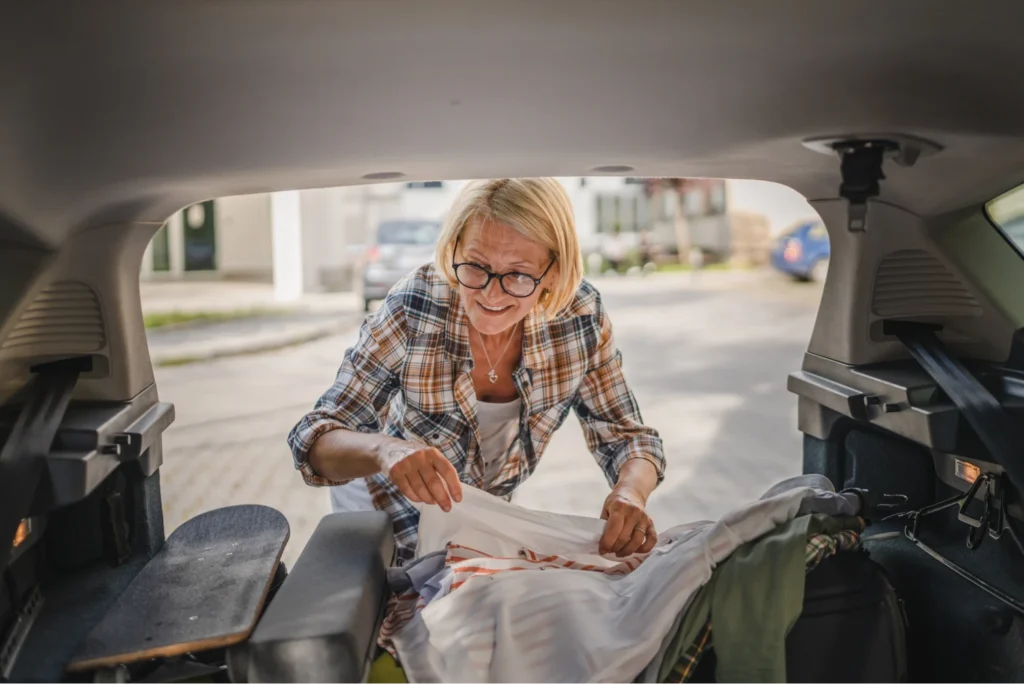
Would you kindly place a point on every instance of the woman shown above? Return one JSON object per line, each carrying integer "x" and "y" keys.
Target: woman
{"x": 471, "y": 364}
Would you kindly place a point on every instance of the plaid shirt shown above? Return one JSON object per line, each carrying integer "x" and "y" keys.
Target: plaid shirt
{"x": 408, "y": 376}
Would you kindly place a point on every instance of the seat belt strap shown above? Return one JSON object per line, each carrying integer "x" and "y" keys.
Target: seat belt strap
{"x": 22, "y": 459}
{"x": 979, "y": 407}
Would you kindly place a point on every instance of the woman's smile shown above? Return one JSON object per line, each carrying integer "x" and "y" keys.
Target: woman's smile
{"x": 494, "y": 310}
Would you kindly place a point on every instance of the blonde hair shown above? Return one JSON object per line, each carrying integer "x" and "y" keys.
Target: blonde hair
{"x": 538, "y": 208}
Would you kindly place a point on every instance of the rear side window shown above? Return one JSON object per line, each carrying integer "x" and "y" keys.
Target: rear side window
{"x": 420, "y": 233}
{"x": 1007, "y": 212}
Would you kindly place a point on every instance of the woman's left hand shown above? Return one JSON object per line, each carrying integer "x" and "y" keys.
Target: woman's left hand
{"x": 629, "y": 529}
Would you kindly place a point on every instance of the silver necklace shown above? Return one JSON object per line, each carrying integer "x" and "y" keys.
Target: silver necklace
{"x": 492, "y": 375}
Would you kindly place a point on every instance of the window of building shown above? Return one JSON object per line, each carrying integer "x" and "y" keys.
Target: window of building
{"x": 716, "y": 198}
{"x": 695, "y": 202}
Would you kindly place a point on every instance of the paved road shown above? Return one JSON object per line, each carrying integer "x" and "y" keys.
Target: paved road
{"x": 708, "y": 363}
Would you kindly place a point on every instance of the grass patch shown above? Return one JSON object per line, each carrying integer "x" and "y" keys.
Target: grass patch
{"x": 256, "y": 349}
{"x": 179, "y": 361}
{"x": 182, "y": 318}
{"x": 677, "y": 267}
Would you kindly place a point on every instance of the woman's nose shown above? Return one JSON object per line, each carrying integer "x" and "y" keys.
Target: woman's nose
{"x": 493, "y": 289}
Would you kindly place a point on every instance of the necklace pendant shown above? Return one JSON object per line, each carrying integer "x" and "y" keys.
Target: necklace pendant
{"x": 492, "y": 376}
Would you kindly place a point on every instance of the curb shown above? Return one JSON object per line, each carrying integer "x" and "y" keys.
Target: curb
{"x": 182, "y": 355}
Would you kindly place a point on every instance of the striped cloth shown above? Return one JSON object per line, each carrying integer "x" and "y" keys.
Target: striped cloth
{"x": 563, "y": 625}
{"x": 464, "y": 564}
{"x": 819, "y": 547}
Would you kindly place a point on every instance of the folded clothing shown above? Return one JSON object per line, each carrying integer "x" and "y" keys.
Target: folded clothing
{"x": 458, "y": 565}
{"x": 550, "y": 621}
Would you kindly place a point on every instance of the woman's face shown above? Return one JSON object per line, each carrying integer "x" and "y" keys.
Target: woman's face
{"x": 500, "y": 249}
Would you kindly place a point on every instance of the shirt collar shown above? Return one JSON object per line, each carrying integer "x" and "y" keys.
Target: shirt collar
{"x": 536, "y": 335}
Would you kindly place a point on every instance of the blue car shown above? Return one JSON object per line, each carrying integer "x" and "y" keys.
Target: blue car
{"x": 802, "y": 252}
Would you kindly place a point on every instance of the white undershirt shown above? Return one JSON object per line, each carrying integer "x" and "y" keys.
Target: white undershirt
{"x": 496, "y": 425}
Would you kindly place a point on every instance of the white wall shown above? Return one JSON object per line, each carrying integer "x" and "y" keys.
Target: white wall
{"x": 782, "y": 206}
{"x": 244, "y": 242}
{"x": 326, "y": 236}
{"x": 583, "y": 207}
{"x": 286, "y": 231}
{"x": 435, "y": 202}
{"x": 428, "y": 203}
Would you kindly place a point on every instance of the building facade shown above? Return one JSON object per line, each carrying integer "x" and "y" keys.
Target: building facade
{"x": 313, "y": 240}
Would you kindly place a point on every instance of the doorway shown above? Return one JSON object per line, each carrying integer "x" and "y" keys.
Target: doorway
{"x": 200, "y": 233}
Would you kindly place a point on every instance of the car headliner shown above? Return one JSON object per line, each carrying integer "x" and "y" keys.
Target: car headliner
{"x": 127, "y": 111}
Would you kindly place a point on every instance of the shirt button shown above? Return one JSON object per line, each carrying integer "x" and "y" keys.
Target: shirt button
{"x": 435, "y": 436}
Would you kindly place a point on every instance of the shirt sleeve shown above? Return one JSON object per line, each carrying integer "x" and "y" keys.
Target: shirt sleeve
{"x": 608, "y": 411}
{"x": 362, "y": 390}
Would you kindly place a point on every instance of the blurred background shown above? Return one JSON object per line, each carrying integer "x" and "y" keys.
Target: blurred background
{"x": 712, "y": 286}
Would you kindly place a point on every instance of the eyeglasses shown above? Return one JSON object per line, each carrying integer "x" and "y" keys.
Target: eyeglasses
{"x": 513, "y": 283}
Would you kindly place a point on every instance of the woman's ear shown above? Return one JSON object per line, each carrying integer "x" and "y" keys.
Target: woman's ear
{"x": 545, "y": 297}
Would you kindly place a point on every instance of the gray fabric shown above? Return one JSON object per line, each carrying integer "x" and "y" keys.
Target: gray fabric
{"x": 424, "y": 568}
{"x": 432, "y": 585}
{"x": 351, "y": 497}
{"x": 812, "y": 480}
{"x": 416, "y": 573}
{"x": 825, "y": 502}
{"x": 830, "y": 503}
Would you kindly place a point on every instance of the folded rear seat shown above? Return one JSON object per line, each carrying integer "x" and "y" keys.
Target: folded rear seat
{"x": 321, "y": 625}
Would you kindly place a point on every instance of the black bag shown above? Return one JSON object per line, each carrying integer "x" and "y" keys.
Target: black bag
{"x": 852, "y": 628}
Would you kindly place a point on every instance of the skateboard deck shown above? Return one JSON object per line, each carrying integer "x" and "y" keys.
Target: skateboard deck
{"x": 204, "y": 589}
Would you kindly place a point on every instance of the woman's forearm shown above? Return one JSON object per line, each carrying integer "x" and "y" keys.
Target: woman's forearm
{"x": 421, "y": 473}
{"x": 638, "y": 475}
{"x": 345, "y": 454}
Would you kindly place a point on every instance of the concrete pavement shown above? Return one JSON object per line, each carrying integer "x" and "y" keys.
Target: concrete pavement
{"x": 707, "y": 359}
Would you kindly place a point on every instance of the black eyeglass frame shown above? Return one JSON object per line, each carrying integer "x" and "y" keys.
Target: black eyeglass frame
{"x": 500, "y": 276}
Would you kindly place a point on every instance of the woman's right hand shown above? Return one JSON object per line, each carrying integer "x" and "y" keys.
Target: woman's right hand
{"x": 421, "y": 473}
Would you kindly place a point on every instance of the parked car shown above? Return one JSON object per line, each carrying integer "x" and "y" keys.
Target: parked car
{"x": 803, "y": 252}
{"x": 399, "y": 246}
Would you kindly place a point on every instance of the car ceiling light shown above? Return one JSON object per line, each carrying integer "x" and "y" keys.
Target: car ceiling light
{"x": 861, "y": 160}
